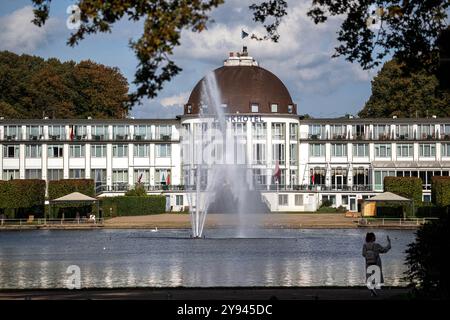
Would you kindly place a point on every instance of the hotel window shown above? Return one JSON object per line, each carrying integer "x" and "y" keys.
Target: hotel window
{"x": 99, "y": 132}
{"x": 76, "y": 173}
{"x": 33, "y": 174}
{"x": 141, "y": 150}
{"x": 298, "y": 199}
{"x": 34, "y": 132}
{"x": 361, "y": 150}
{"x": 379, "y": 179}
{"x": 142, "y": 176}
{"x": 11, "y": 151}
{"x": 293, "y": 154}
{"x": 293, "y": 131}
{"x": 78, "y": 132}
{"x": 120, "y": 177}
{"x": 404, "y": 150}
{"x": 99, "y": 176}
{"x": 56, "y": 132}
{"x": 317, "y": 131}
{"x": 259, "y": 131}
{"x": 76, "y": 151}
{"x": 290, "y": 108}
{"x": 360, "y": 131}
{"x": 11, "y": 174}
{"x": 255, "y": 107}
{"x": 259, "y": 153}
{"x": 142, "y": 132}
{"x": 338, "y": 178}
{"x": 404, "y": 132}
{"x": 120, "y": 132}
{"x": 163, "y": 150}
{"x": 344, "y": 200}
{"x": 445, "y": 149}
{"x": 282, "y": 199}
{"x": 317, "y": 176}
{"x": 164, "y": 132}
{"x": 278, "y": 131}
{"x": 382, "y": 150}
{"x": 179, "y": 200}
{"x": 12, "y": 132}
{"x": 338, "y": 131}
{"x": 161, "y": 176}
{"x": 33, "y": 151}
{"x": 317, "y": 150}
{"x": 330, "y": 198}
{"x": 338, "y": 150}
{"x": 274, "y": 107}
{"x": 445, "y": 131}
{"x": 381, "y": 131}
{"x": 426, "y": 131}
{"x": 55, "y": 174}
{"x": 259, "y": 176}
{"x": 98, "y": 151}
{"x": 120, "y": 150}
{"x": 360, "y": 176}
{"x": 55, "y": 151}
{"x": 278, "y": 153}
{"x": 239, "y": 130}
{"x": 427, "y": 150}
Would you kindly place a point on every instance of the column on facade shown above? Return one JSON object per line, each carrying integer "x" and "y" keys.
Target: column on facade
{"x": 269, "y": 171}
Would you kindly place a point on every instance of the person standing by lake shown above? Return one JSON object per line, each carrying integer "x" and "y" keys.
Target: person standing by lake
{"x": 371, "y": 252}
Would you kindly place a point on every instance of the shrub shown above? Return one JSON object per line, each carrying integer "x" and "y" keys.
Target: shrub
{"x": 132, "y": 206}
{"x": 427, "y": 259}
{"x": 26, "y": 196}
{"x": 440, "y": 191}
{"x": 137, "y": 191}
{"x": 408, "y": 187}
{"x": 60, "y": 188}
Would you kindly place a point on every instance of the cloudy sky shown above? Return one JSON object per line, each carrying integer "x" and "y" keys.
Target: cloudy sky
{"x": 321, "y": 86}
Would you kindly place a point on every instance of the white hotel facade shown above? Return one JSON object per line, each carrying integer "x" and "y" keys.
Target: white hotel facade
{"x": 342, "y": 159}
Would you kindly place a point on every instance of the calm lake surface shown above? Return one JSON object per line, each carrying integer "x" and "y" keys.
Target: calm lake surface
{"x": 139, "y": 258}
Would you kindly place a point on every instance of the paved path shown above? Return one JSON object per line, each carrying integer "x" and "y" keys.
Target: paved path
{"x": 320, "y": 293}
{"x": 274, "y": 220}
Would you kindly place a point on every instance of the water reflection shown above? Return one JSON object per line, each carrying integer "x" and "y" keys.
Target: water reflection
{"x": 129, "y": 258}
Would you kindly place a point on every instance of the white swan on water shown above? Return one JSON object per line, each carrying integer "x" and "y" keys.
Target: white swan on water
{"x": 155, "y": 230}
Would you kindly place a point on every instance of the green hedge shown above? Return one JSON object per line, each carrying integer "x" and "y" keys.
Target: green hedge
{"x": 60, "y": 188}
{"x": 408, "y": 187}
{"x": 440, "y": 191}
{"x": 25, "y": 196}
{"x": 132, "y": 206}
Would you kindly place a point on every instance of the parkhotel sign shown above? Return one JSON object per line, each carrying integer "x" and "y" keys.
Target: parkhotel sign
{"x": 234, "y": 119}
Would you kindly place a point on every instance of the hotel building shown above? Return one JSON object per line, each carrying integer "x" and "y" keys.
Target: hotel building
{"x": 342, "y": 160}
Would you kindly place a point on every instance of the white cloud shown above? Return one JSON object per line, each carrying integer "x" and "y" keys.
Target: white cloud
{"x": 20, "y": 35}
{"x": 301, "y": 58}
{"x": 175, "y": 100}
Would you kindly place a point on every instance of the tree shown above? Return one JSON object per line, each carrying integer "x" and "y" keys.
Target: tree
{"x": 374, "y": 29}
{"x": 408, "y": 29}
{"x": 31, "y": 87}
{"x": 407, "y": 95}
{"x": 163, "y": 23}
{"x": 427, "y": 259}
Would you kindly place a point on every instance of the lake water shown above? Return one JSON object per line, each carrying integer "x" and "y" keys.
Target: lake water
{"x": 168, "y": 258}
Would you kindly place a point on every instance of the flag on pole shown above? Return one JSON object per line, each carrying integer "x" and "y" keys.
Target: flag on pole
{"x": 72, "y": 135}
{"x": 168, "y": 179}
{"x": 163, "y": 179}
{"x": 313, "y": 179}
{"x": 243, "y": 34}
{"x": 277, "y": 172}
